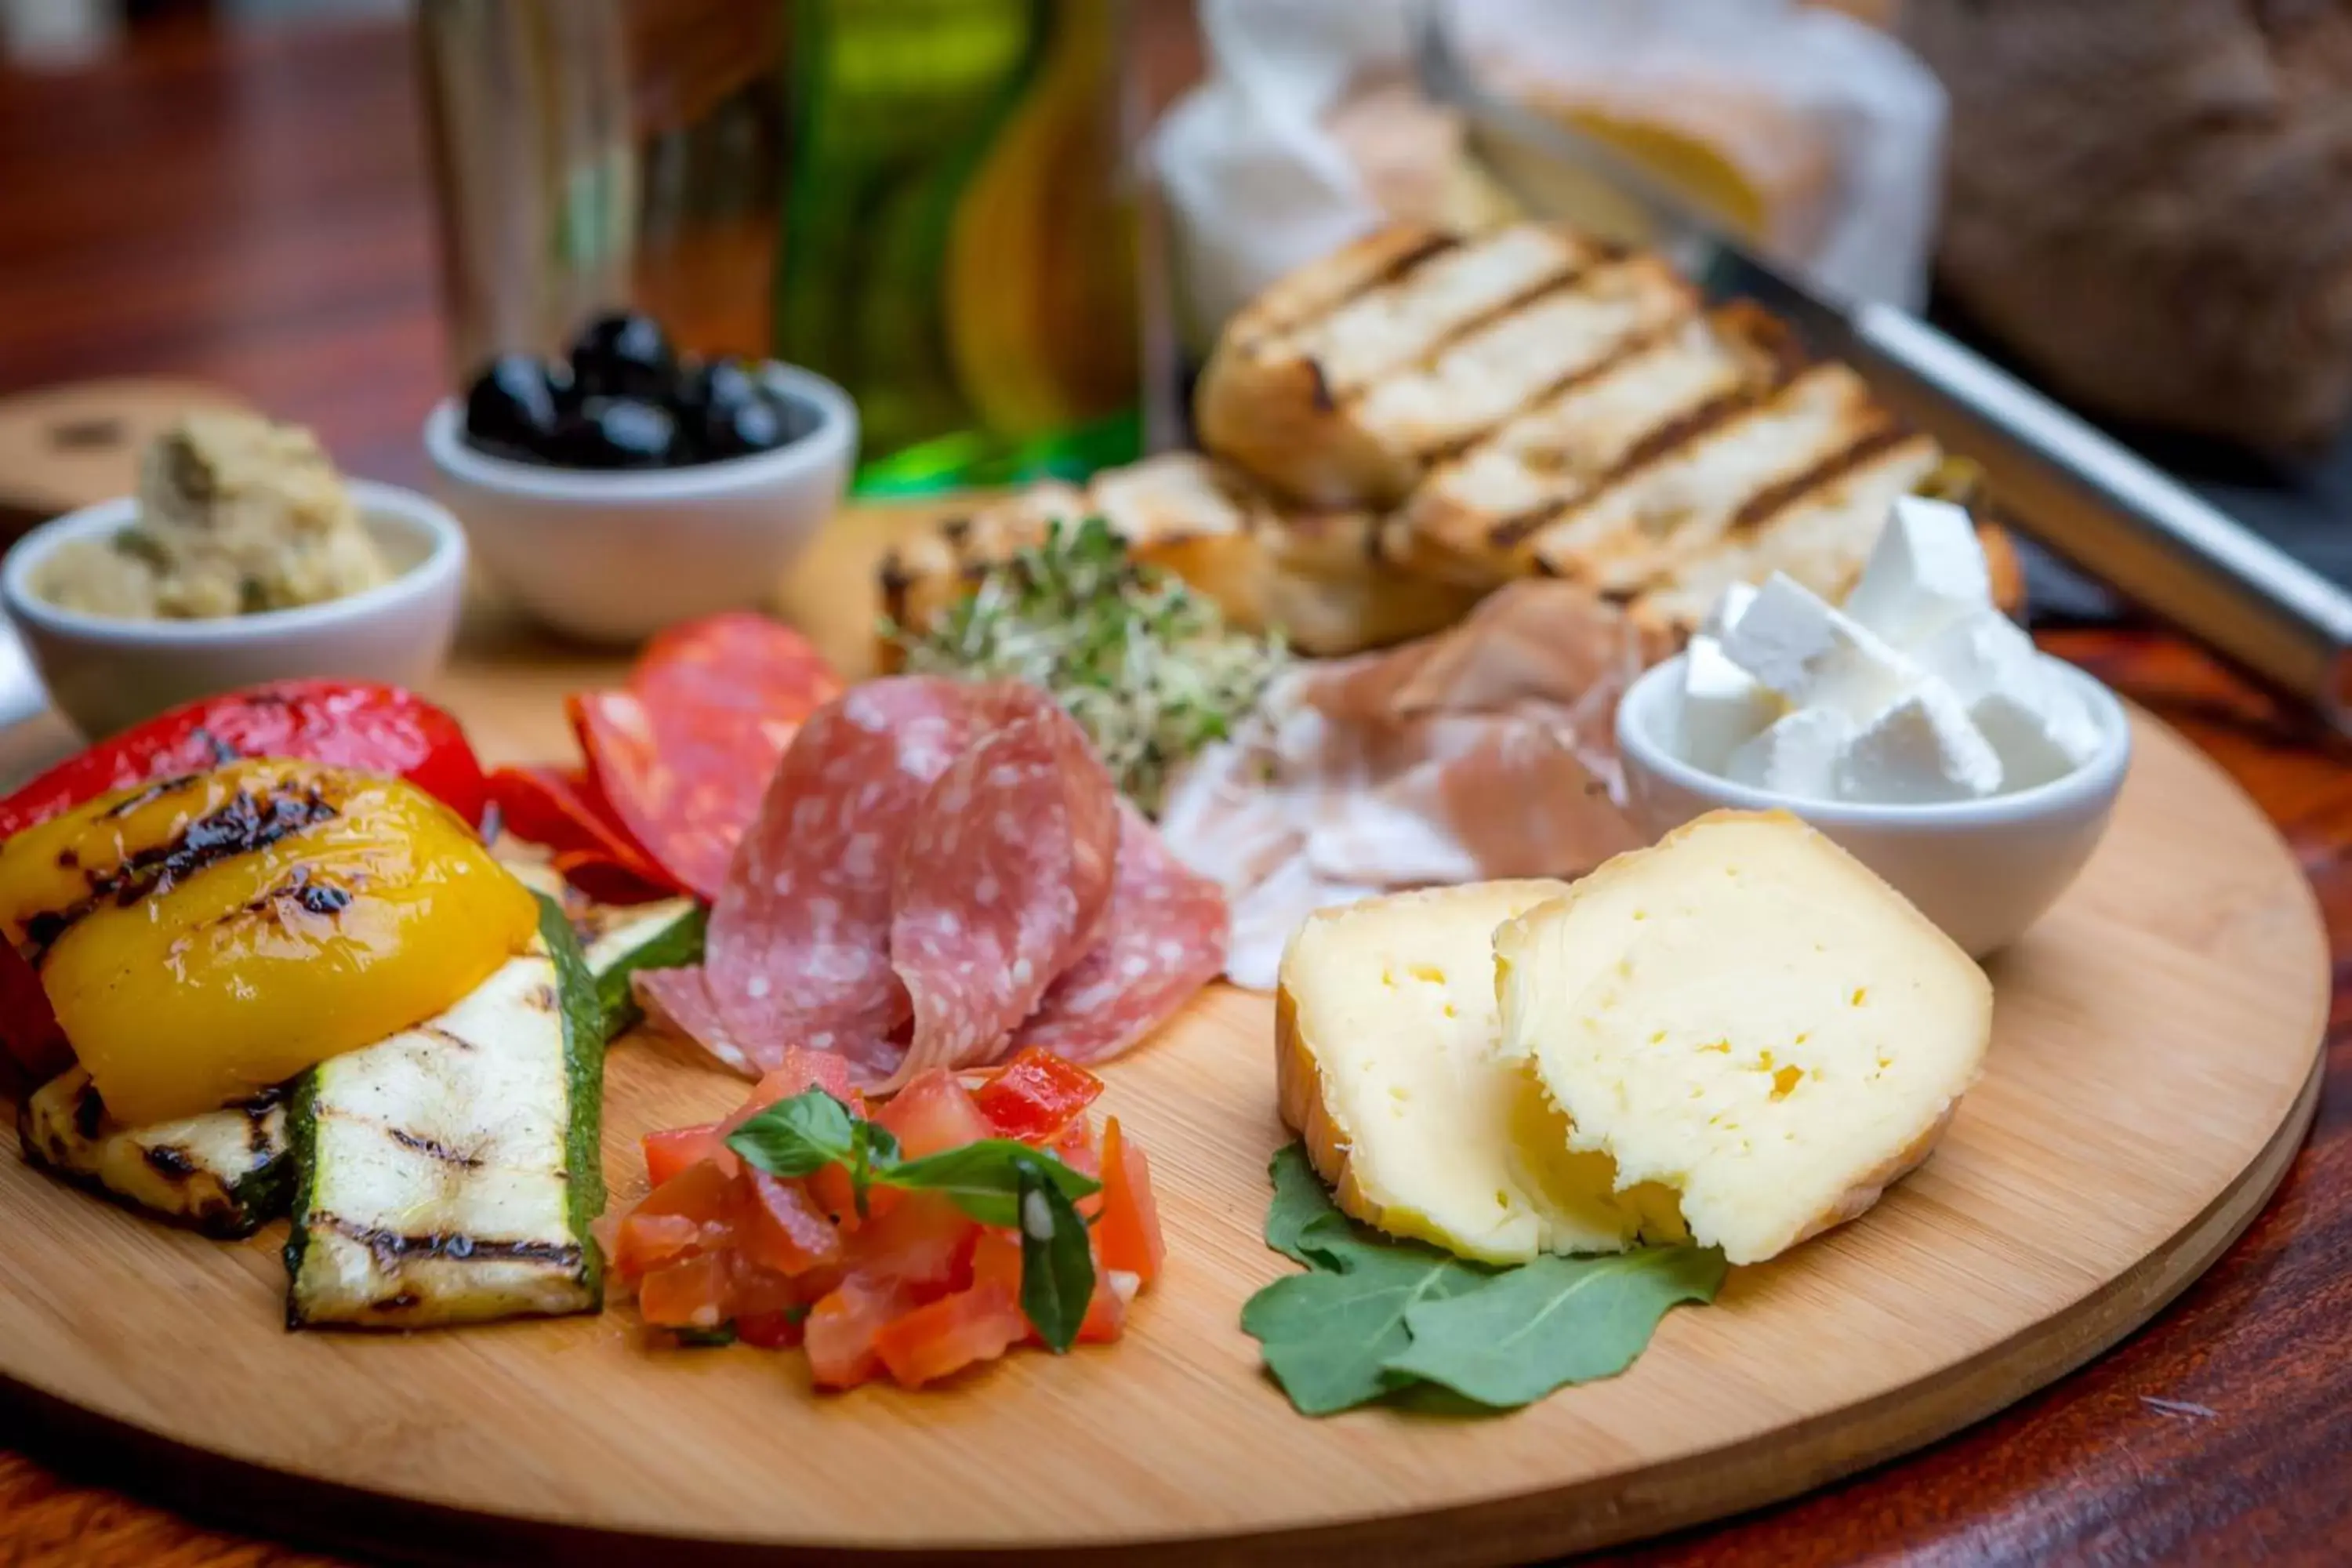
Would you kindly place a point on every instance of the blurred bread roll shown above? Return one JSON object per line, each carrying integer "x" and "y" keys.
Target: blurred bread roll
{"x": 2152, "y": 205}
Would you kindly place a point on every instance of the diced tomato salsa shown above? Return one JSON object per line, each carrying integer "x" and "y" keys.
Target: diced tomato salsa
{"x": 915, "y": 1291}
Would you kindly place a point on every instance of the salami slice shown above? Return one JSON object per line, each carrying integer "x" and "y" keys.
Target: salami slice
{"x": 1002, "y": 886}
{"x": 677, "y": 1003}
{"x": 1163, "y": 938}
{"x": 683, "y": 752}
{"x": 798, "y": 950}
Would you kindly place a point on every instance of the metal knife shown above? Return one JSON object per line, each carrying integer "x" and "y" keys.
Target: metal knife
{"x": 2072, "y": 489}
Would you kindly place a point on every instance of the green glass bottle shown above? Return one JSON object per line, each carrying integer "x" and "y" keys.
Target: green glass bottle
{"x": 958, "y": 245}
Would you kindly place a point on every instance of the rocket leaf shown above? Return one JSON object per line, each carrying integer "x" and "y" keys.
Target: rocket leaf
{"x": 1553, "y": 1321}
{"x": 1329, "y": 1338}
{"x": 1376, "y": 1317}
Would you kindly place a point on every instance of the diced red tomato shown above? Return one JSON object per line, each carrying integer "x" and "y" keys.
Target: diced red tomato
{"x": 933, "y": 1113}
{"x": 949, "y": 1334}
{"x": 1076, "y": 1149}
{"x": 648, "y": 1241}
{"x": 1127, "y": 1234}
{"x": 668, "y": 1153}
{"x": 753, "y": 1292}
{"x": 688, "y": 1294}
{"x": 1106, "y": 1317}
{"x": 996, "y": 1258}
{"x": 778, "y": 1225}
{"x": 700, "y": 1192}
{"x": 1036, "y": 1095}
{"x": 840, "y": 1330}
{"x": 802, "y": 1070}
{"x": 769, "y": 1330}
{"x": 924, "y": 1243}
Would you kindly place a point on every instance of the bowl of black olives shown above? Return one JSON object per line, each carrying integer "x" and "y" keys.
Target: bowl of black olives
{"x": 622, "y": 486}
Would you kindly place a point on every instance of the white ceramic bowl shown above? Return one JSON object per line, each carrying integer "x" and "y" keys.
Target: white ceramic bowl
{"x": 613, "y": 557}
{"x": 106, "y": 674}
{"x": 1982, "y": 869}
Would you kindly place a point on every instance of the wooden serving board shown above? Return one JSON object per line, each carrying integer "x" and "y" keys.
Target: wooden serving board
{"x": 2154, "y": 1066}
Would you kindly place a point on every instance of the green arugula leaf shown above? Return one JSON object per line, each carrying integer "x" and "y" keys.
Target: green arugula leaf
{"x": 797, "y": 1137}
{"x": 1302, "y": 1222}
{"x": 1551, "y": 1323}
{"x": 1377, "y": 1317}
{"x": 1329, "y": 1338}
{"x": 1058, "y": 1266}
{"x": 984, "y": 1178}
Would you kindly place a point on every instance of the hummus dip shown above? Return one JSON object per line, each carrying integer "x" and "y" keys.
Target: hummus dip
{"x": 235, "y": 515}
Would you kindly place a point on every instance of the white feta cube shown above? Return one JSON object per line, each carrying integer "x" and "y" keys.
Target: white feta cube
{"x": 1925, "y": 571}
{"x": 2035, "y": 720}
{"x": 1814, "y": 657}
{"x": 1981, "y": 652}
{"x": 1727, "y": 610}
{"x": 1721, "y": 706}
{"x": 1797, "y": 755}
{"x": 1922, "y": 749}
{"x": 2043, "y": 732}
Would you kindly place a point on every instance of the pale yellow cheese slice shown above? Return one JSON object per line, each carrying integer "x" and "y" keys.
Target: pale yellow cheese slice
{"x": 1390, "y": 1068}
{"x": 1745, "y": 1014}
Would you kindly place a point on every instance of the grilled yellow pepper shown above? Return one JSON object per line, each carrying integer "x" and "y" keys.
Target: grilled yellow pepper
{"x": 203, "y": 938}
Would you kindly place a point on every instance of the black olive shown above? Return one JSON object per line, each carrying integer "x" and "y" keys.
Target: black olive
{"x": 623, "y": 354}
{"x": 616, "y": 433}
{"x": 738, "y": 430}
{"x": 722, "y": 383}
{"x": 512, "y": 404}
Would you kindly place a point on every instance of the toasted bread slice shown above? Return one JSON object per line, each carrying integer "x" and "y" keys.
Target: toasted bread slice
{"x": 1280, "y": 394}
{"x": 1684, "y": 499}
{"x": 1468, "y": 519}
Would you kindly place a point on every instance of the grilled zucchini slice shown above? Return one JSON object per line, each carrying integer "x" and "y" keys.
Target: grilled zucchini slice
{"x": 224, "y": 1172}
{"x": 449, "y": 1174}
{"x": 618, "y": 940}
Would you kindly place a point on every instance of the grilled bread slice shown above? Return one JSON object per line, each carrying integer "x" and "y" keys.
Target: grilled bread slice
{"x": 1331, "y": 387}
{"x": 1472, "y": 515}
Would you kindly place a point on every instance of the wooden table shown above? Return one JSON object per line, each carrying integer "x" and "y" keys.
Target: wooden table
{"x": 253, "y": 212}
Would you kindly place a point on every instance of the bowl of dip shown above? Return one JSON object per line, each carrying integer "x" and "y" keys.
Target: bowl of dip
{"x": 239, "y": 561}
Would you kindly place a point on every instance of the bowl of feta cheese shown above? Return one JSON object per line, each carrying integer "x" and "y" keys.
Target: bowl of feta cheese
{"x": 1914, "y": 723}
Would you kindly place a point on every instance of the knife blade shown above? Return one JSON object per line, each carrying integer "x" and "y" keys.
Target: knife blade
{"x": 2065, "y": 483}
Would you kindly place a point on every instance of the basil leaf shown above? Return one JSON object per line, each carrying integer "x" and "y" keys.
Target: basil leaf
{"x": 1057, "y": 1267}
{"x": 705, "y": 1338}
{"x": 797, "y": 1137}
{"x": 1330, "y": 1338}
{"x": 983, "y": 1179}
{"x": 1551, "y": 1323}
{"x": 872, "y": 1145}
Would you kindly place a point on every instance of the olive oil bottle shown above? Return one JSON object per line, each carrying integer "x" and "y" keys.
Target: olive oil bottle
{"x": 957, "y": 243}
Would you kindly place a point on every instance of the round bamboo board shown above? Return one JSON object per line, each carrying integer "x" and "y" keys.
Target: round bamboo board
{"x": 2152, "y": 1071}
{"x": 2154, "y": 1067}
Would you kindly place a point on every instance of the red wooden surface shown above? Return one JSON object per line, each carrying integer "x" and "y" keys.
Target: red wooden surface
{"x": 253, "y": 212}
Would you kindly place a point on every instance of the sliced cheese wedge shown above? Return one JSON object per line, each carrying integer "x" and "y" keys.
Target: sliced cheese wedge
{"x": 1386, "y": 1039}
{"x": 1747, "y": 1014}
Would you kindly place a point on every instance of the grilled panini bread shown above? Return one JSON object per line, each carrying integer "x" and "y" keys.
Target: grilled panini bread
{"x": 1316, "y": 575}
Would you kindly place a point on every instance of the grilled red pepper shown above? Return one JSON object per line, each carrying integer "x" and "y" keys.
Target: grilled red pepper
{"x": 350, "y": 724}
{"x": 562, "y": 809}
